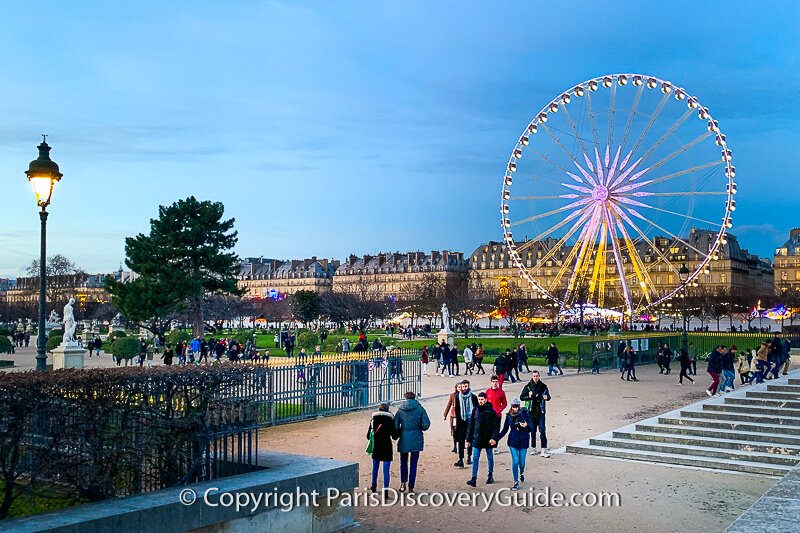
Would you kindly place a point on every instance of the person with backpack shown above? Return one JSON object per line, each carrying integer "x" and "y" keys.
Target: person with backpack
{"x": 410, "y": 421}
{"x": 380, "y": 433}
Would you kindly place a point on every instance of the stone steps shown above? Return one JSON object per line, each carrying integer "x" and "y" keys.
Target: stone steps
{"x": 773, "y": 395}
{"x": 683, "y": 460}
{"x": 730, "y": 442}
{"x": 763, "y": 402}
{"x": 698, "y": 451}
{"x": 720, "y": 433}
{"x": 739, "y": 409}
{"x": 752, "y": 430}
{"x": 735, "y": 426}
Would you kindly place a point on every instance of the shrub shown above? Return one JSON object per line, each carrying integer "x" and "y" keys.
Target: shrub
{"x": 53, "y": 341}
{"x": 5, "y": 332}
{"x": 56, "y": 333}
{"x": 5, "y": 344}
{"x": 119, "y": 334}
{"x": 307, "y": 340}
{"x": 242, "y": 337}
{"x": 125, "y": 348}
{"x": 178, "y": 335}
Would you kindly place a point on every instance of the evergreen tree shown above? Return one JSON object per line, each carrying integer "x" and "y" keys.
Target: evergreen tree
{"x": 187, "y": 255}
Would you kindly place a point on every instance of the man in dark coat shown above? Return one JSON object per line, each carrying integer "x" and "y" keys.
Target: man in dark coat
{"x": 383, "y": 431}
{"x": 500, "y": 368}
{"x": 464, "y": 403}
{"x": 482, "y": 434}
{"x": 552, "y": 360}
{"x": 536, "y": 393}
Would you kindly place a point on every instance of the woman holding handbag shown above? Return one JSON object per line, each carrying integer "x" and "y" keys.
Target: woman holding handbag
{"x": 380, "y": 434}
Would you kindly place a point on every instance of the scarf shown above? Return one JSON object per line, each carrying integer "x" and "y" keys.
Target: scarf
{"x": 466, "y": 404}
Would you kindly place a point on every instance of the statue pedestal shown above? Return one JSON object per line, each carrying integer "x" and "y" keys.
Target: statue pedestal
{"x": 445, "y": 335}
{"x": 68, "y": 356}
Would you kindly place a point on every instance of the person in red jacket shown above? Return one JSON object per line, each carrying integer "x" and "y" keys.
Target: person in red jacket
{"x": 497, "y": 397}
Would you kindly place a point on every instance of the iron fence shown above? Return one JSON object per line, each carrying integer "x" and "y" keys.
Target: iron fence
{"x": 312, "y": 387}
{"x": 606, "y": 349}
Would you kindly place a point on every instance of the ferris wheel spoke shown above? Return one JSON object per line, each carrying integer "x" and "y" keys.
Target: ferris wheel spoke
{"x": 558, "y": 226}
{"x": 668, "y": 134}
{"x": 650, "y": 123}
{"x": 639, "y": 215}
{"x": 636, "y": 261}
{"x": 679, "y": 193}
{"x": 641, "y": 204}
{"x": 545, "y": 158}
{"x": 587, "y": 236}
{"x": 550, "y": 197}
{"x": 611, "y": 111}
{"x": 682, "y": 149}
{"x": 687, "y": 171}
{"x": 567, "y": 207}
{"x": 620, "y": 266}
{"x": 631, "y": 116}
{"x": 574, "y": 128}
{"x": 592, "y": 119}
{"x": 560, "y": 145}
{"x": 552, "y": 251}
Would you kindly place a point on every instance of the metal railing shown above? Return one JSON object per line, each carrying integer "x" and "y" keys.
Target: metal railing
{"x": 646, "y": 347}
{"x": 311, "y": 387}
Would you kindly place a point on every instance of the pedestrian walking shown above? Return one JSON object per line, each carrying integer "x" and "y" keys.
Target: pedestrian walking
{"x": 714, "y": 370}
{"x": 630, "y": 364}
{"x": 685, "y": 362}
{"x": 424, "y": 360}
{"x": 728, "y": 374}
{"x": 743, "y": 367}
{"x": 410, "y": 421}
{"x": 596, "y": 361}
{"x": 496, "y": 396}
{"x": 479, "y": 359}
{"x": 465, "y": 403}
{"x": 667, "y": 358}
{"x": 693, "y": 358}
{"x": 787, "y": 355}
{"x": 450, "y": 414}
{"x": 483, "y": 433}
{"x": 552, "y": 361}
{"x": 381, "y": 431}
{"x": 536, "y": 394}
{"x": 518, "y": 427}
{"x": 499, "y": 369}
{"x": 522, "y": 357}
{"x": 468, "y": 355}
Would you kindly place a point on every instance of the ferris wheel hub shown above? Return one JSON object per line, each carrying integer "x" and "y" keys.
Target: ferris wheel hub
{"x": 600, "y": 193}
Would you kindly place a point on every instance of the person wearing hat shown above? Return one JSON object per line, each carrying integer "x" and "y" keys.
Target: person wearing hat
{"x": 518, "y": 426}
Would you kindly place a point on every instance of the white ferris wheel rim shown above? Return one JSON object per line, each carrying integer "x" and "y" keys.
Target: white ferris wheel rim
{"x": 591, "y": 85}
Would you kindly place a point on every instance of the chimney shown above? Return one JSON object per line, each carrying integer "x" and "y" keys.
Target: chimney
{"x": 795, "y": 232}
{"x": 351, "y": 260}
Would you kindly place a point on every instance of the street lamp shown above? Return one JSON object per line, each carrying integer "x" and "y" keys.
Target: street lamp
{"x": 684, "y": 275}
{"x": 42, "y": 174}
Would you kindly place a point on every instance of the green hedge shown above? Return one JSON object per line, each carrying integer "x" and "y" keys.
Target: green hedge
{"x": 125, "y": 348}
{"x": 53, "y": 341}
{"x": 5, "y": 344}
{"x": 307, "y": 340}
{"x": 119, "y": 334}
{"x": 177, "y": 336}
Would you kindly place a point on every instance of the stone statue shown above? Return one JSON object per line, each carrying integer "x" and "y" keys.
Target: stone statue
{"x": 69, "y": 322}
{"x": 117, "y": 320}
{"x": 54, "y": 319}
{"x": 445, "y": 318}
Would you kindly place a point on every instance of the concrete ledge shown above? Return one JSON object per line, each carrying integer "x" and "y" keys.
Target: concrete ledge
{"x": 163, "y": 511}
{"x": 777, "y": 511}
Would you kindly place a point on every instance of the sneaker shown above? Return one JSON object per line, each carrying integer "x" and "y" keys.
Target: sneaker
{"x": 534, "y": 452}
{"x": 515, "y": 486}
{"x": 679, "y": 384}
{"x": 459, "y": 464}
{"x": 469, "y": 461}
{"x": 728, "y": 389}
{"x": 709, "y": 393}
{"x": 402, "y": 487}
{"x": 472, "y": 482}
{"x": 545, "y": 454}
{"x": 490, "y": 479}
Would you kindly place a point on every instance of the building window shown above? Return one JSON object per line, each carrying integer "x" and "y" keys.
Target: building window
{"x": 722, "y": 278}
{"x": 797, "y": 275}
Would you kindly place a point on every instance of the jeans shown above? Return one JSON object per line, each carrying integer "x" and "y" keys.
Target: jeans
{"x": 551, "y": 369}
{"x": 539, "y": 423}
{"x": 476, "y": 456}
{"x": 404, "y": 476}
{"x": 714, "y": 387}
{"x": 761, "y": 370}
{"x": 386, "y": 469}
{"x": 517, "y": 462}
{"x": 727, "y": 380}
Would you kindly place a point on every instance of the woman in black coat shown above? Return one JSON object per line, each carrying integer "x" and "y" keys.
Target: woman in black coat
{"x": 382, "y": 428}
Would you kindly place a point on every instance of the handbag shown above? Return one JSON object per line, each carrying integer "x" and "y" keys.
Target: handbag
{"x": 371, "y": 443}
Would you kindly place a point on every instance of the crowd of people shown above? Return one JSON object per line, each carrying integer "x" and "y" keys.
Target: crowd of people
{"x": 478, "y": 422}
{"x": 757, "y": 365}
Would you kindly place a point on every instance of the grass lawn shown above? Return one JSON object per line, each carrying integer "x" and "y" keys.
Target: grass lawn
{"x": 42, "y": 500}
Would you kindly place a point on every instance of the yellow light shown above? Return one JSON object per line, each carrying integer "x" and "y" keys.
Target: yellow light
{"x": 42, "y": 188}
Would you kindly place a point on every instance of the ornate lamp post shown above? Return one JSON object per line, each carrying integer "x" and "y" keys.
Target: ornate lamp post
{"x": 42, "y": 174}
{"x": 684, "y": 275}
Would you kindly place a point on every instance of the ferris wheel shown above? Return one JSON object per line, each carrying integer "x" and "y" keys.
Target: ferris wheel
{"x": 619, "y": 193}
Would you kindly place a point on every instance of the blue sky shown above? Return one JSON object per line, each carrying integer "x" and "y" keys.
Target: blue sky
{"x": 329, "y": 128}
